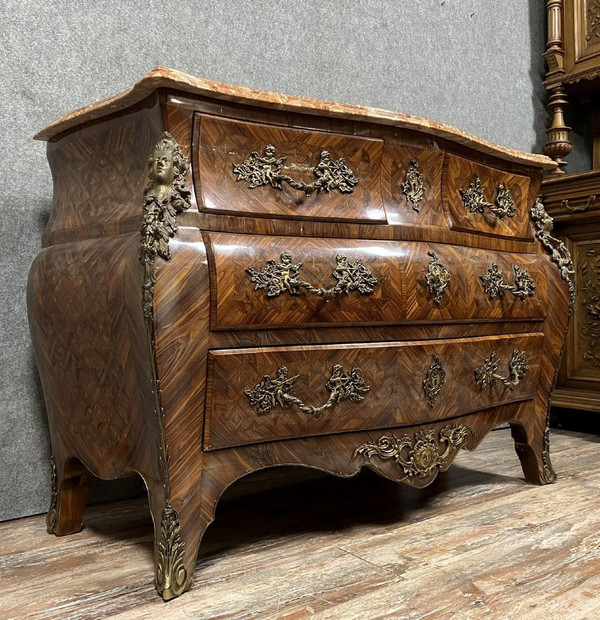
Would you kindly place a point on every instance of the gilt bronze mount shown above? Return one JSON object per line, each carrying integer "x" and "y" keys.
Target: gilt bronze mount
{"x": 276, "y": 391}
{"x": 419, "y": 456}
{"x": 474, "y": 200}
{"x": 437, "y": 277}
{"x": 413, "y": 186}
{"x": 494, "y": 285}
{"x": 267, "y": 170}
{"x": 434, "y": 380}
{"x": 559, "y": 252}
{"x": 487, "y": 375}
{"x": 52, "y": 514}
{"x": 284, "y": 276}
{"x": 165, "y": 196}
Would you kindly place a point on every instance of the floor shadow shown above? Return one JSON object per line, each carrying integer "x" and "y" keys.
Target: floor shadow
{"x": 286, "y": 502}
{"x": 324, "y": 503}
{"x": 585, "y": 422}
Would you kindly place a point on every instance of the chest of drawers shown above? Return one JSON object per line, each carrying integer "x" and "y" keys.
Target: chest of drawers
{"x": 233, "y": 280}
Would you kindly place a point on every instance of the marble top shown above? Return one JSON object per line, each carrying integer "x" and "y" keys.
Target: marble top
{"x": 162, "y": 77}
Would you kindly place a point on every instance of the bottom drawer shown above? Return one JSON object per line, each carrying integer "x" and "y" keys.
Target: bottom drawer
{"x": 264, "y": 394}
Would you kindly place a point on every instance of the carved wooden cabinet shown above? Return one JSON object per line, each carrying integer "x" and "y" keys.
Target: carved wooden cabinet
{"x": 573, "y": 200}
{"x": 233, "y": 280}
{"x": 573, "y": 57}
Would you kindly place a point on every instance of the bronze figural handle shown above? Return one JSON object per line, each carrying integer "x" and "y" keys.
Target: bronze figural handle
{"x": 487, "y": 375}
{"x": 474, "y": 201}
{"x": 276, "y": 391}
{"x": 284, "y": 276}
{"x": 268, "y": 170}
{"x": 494, "y": 285}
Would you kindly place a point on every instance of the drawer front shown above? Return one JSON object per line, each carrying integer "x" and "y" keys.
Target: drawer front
{"x": 482, "y": 285}
{"x": 412, "y": 185}
{"x": 260, "y": 281}
{"x": 257, "y": 169}
{"x": 257, "y": 395}
{"x": 485, "y": 200}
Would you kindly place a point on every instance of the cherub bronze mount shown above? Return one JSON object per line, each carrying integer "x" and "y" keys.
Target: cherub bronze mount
{"x": 278, "y": 278}
{"x": 276, "y": 391}
{"x": 494, "y": 285}
{"x": 268, "y": 170}
{"x": 474, "y": 200}
{"x": 487, "y": 375}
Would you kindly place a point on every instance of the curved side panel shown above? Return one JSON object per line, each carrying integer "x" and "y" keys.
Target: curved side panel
{"x": 86, "y": 322}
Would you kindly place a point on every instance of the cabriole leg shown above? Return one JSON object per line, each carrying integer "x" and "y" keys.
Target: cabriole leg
{"x": 69, "y": 490}
{"x": 533, "y": 448}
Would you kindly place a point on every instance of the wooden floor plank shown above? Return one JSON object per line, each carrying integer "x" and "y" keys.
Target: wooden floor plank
{"x": 292, "y": 544}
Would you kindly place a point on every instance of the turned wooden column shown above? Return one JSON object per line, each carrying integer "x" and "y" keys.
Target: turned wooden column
{"x": 558, "y": 145}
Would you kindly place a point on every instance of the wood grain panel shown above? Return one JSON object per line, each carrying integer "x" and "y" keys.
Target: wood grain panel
{"x": 465, "y": 298}
{"x": 90, "y": 344}
{"x": 573, "y": 201}
{"x": 584, "y": 356}
{"x": 400, "y": 295}
{"x": 99, "y": 176}
{"x": 220, "y": 143}
{"x": 394, "y": 372}
{"x": 459, "y": 173}
{"x": 91, "y": 348}
{"x": 396, "y": 162}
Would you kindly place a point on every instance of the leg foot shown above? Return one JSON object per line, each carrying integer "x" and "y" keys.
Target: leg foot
{"x": 172, "y": 576}
{"x": 176, "y": 542}
{"x": 69, "y": 490}
{"x": 534, "y": 453}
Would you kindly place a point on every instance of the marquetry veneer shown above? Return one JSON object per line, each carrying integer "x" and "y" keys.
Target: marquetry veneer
{"x": 233, "y": 280}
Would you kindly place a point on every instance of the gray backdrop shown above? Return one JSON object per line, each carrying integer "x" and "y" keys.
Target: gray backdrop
{"x": 475, "y": 64}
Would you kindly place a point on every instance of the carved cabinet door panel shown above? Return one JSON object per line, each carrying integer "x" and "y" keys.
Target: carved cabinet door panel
{"x": 582, "y": 35}
{"x": 583, "y": 361}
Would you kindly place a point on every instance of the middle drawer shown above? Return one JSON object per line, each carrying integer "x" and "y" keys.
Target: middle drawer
{"x": 261, "y": 281}
{"x": 263, "y": 394}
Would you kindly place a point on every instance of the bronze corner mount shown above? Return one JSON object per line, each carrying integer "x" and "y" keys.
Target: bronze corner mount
{"x": 559, "y": 253}
{"x": 165, "y": 196}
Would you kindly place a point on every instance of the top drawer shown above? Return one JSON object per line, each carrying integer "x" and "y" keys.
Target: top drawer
{"x": 485, "y": 200}
{"x": 267, "y": 170}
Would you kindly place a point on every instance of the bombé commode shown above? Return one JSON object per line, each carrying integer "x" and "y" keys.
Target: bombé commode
{"x": 233, "y": 279}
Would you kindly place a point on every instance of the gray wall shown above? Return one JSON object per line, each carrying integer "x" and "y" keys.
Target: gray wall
{"x": 475, "y": 64}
